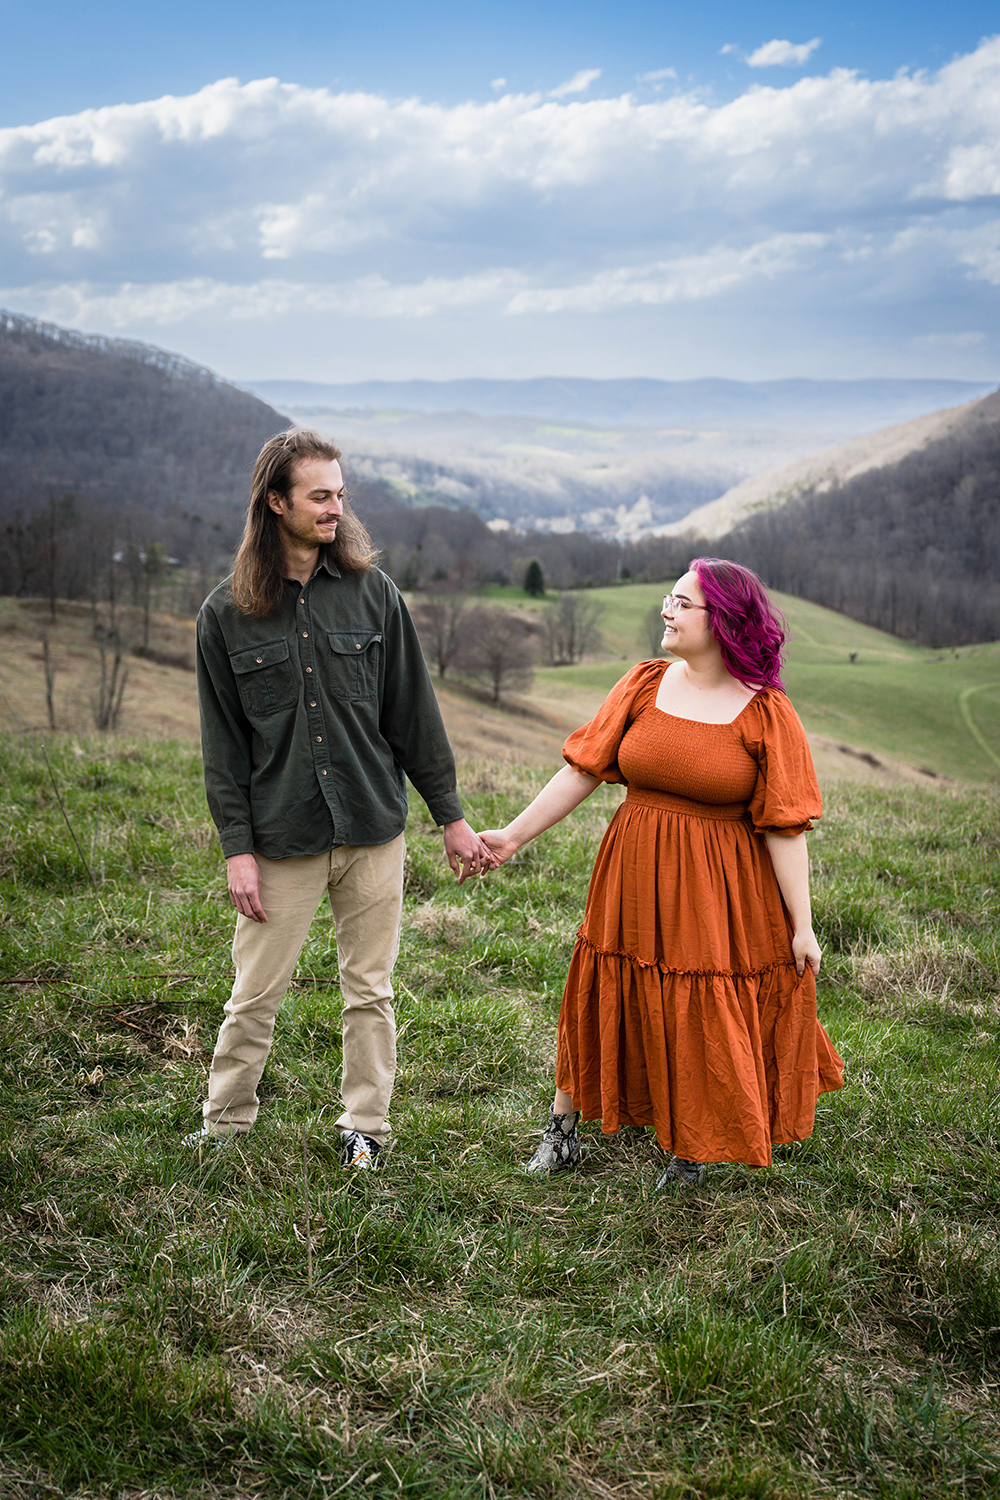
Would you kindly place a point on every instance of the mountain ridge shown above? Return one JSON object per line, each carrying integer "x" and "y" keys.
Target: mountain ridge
{"x": 844, "y": 407}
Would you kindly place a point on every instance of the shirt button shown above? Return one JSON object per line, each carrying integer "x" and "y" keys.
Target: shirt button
{"x": 322, "y": 773}
{"x": 313, "y": 703}
{"x": 319, "y": 739}
{"x": 302, "y": 601}
{"x": 305, "y": 635}
{"x": 308, "y": 669}
{"x": 357, "y": 645}
{"x": 259, "y": 660}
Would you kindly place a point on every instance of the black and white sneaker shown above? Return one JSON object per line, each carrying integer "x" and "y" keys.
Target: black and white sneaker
{"x": 559, "y": 1148}
{"x": 202, "y": 1137}
{"x": 685, "y": 1173}
{"x": 359, "y": 1151}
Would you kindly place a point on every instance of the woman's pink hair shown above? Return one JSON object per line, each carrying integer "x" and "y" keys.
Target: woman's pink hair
{"x": 748, "y": 628}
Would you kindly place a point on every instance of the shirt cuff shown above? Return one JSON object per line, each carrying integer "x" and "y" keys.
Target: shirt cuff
{"x": 238, "y": 840}
{"x": 446, "y": 809}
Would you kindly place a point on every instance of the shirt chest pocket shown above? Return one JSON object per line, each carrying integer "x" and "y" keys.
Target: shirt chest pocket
{"x": 352, "y": 668}
{"x": 266, "y": 678}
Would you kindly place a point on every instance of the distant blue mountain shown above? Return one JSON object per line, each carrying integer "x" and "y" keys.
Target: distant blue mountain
{"x": 844, "y": 407}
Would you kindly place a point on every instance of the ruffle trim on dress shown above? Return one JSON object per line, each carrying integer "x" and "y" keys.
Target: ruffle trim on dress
{"x": 655, "y": 963}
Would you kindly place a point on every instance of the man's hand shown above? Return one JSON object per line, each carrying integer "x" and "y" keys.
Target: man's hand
{"x": 244, "y": 886}
{"x": 467, "y": 854}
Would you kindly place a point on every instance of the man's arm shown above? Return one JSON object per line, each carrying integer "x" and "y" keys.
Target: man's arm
{"x": 412, "y": 724}
{"x": 226, "y": 738}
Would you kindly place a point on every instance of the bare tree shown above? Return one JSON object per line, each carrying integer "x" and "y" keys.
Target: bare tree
{"x": 569, "y": 629}
{"x": 495, "y": 649}
{"x": 439, "y": 621}
{"x": 107, "y": 704}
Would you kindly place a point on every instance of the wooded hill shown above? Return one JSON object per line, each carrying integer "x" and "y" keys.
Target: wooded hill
{"x": 912, "y": 548}
{"x": 149, "y": 446}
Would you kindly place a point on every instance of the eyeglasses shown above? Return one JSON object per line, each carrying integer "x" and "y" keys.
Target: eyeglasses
{"x": 674, "y": 602}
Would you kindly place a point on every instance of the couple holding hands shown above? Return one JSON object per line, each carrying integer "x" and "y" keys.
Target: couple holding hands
{"x": 690, "y": 1003}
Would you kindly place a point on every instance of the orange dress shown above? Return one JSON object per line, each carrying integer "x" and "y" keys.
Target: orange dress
{"x": 682, "y": 1007}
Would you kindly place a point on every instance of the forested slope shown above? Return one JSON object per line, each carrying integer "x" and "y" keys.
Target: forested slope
{"x": 912, "y": 548}
{"x": 143, "y": 441}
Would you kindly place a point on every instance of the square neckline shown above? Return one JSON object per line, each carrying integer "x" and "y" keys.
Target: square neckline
{"x": 705, "y": 723}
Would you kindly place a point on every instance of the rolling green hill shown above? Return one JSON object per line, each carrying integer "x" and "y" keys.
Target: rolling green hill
{"x": 938, "y": 710}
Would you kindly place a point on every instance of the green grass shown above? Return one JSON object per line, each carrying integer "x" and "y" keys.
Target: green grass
{"x": 938, "y": 710}
{"x": 828, "y": 1326}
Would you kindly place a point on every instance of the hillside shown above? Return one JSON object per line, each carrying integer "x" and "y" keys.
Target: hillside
{"x": 818, "y": 472}
{"x": 911, "y": 546}
{"x": 251, "y": 1321}
{"x": 141, "y": 438}
{"x": 877, "y": 709}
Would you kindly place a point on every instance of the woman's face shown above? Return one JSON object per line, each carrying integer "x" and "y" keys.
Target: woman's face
{"x": 685, "y": 618}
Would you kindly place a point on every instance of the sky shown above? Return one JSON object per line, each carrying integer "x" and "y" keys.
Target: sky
{"x": 341, "y": 193}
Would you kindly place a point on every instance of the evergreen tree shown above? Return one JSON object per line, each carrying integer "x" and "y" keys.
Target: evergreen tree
{"x": 534, "y": 582}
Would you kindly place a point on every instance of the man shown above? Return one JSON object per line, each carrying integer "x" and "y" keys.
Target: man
{"x": 315, "y": 706}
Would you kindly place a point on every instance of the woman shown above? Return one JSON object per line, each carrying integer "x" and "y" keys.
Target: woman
{"x": 690, "y": 1003}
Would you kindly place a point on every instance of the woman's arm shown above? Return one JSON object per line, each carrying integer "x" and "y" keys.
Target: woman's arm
{"x": 567, "y": 789}
{"x": 790, "y": 859}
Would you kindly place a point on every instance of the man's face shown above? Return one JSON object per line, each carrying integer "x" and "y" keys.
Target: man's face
{"x": 309, "y": 513}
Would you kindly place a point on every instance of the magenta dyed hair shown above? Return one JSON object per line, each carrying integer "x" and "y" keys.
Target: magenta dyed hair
{"x": 748, "y": 628}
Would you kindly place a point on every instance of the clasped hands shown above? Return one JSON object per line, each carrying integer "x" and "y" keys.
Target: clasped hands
{"x": 471, "y": 853}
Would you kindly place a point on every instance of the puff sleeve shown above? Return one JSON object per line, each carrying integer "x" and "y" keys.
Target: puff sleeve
{"x": 786, "y": 797}
{"x": 593, "y": 748}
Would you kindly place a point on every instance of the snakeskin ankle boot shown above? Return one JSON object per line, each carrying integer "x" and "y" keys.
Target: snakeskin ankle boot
{"x": 559, "y": 1147}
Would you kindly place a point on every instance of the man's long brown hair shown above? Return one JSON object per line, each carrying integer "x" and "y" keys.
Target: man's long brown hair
{"x": 258, "y": 573}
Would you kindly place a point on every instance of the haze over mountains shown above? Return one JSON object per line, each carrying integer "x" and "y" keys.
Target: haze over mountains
{"x": 611, "y": 457}
{"x": 835, "y": 407}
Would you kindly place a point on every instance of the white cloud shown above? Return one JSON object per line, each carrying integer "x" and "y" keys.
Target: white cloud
{"x": 578, "y": 84}
{"x": 498, "y": 85}
{"x": 506, "y": 289}
{"x": 167, "y": 303}
{"x": 247, "y": 202}
{"x": 687, "y": 279}
{"x": 781, "y": 54}
{"x": 657, "y": 75}
{"x": 728, "y": 47}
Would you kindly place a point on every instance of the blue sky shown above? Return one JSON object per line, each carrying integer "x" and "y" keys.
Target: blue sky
{"x": 344, "y": 192}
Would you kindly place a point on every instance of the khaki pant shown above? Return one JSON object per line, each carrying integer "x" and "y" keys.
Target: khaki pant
{"x": 365, "y": 890}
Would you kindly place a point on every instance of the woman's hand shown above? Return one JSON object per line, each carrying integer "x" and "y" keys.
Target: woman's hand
{"x": 501, "y": 846}
{"x": 805, "y": 950}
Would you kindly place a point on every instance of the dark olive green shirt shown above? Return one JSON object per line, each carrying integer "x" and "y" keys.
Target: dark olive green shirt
{"x": 311, "y": 720}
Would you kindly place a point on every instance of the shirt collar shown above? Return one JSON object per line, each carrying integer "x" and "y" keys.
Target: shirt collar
{"x": 326, "y": 562}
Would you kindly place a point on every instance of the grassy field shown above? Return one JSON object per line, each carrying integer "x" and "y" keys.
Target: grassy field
{"x": 938, "y": 710}
{"x": 934, "y": 710}
{"x": 215, "y": 1324}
